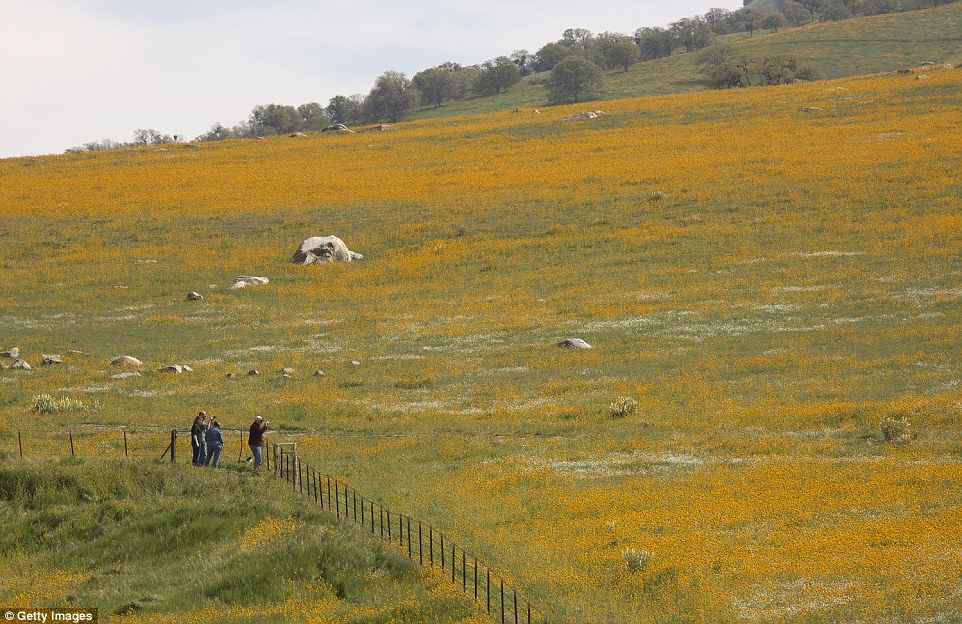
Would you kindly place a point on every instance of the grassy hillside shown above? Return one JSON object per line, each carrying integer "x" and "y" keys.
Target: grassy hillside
{"x": 846, "y": 48}
{"x": 149, "y": 543}
{"x": 770, "y": 286}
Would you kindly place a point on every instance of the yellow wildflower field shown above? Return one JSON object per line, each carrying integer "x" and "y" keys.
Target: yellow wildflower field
{"x": 773, "y": 275}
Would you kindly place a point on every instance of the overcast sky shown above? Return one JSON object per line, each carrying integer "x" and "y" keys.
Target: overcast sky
{"x": 74, "y": 71}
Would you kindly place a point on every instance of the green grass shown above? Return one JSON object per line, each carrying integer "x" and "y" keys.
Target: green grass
{"x": 160, "y": 542}
{"x": 838, "y": 49}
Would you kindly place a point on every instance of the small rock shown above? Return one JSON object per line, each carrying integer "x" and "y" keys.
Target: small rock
{"x": 194, "y": 296}
{"x": 13, "y": 353}
{"x": 948, "y": 66}
{"x": 338, "y": 128}
{"x": 921, "y": 77}
{"x": 161, "y": 149}
{"x": 75, "y": 352}
{"x": 926, "y": 63}
{"x": 187, "y": 369}
{"x": 145, "y": 261}
{"x": 229, "y": 375}
{"x": 253, "y": 372}
{"x": 126, "y": 375}
{"x": 904, "y": 71}
{"x": 287, "y": 371}
{"x": 20, "y": 364}
{"x": 51, "y": 359}
{"x": 586, "y": 115}
{"x": 355, "y": 363}
{"x": 126, "y": 360}
{"x": 318, "y": 373}
{"x": 574, "y": 343}
{"x": 243, "y": 281}
{"x": 286, "y": 376}
{"x": 173, "y": 368}
{"x": 298, "y": 135}
{"x": 810, "y": 109}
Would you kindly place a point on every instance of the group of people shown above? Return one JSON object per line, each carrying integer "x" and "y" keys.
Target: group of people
{"x": 207, "y": 440}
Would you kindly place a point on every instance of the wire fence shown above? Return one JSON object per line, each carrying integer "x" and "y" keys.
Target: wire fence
{"x": 422, "y": 542}
{"x": 490, "y": 588}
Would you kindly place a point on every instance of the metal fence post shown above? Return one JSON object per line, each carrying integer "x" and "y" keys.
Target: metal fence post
{"x": 173, "y": 446}
{"x": 502, "y": 601}
{"x": 420, "y": 545}
{"x": 70, "y": 433}
{"x": 20, "y": 443}
{"x": 431, "y": 542}
{"x": 126, "y": 454}
{"x": 464, "y": 571}
{"x": 488, "y": 591}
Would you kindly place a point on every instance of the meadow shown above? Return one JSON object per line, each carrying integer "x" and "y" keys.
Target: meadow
{"x": 769, "y": 285}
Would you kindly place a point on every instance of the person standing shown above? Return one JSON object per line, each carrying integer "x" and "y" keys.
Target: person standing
{"x": 256, "y": 440}
{"x": 215, "y": 442}
{"x": 198, "y": 442}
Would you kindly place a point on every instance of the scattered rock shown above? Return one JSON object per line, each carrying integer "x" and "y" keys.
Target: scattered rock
{"x": 126, "y": 360}
{"x": 161, "y": 149}
{"x": 948, "y": 66}
{"x": 904, "y": 71}
{"x": 13, "y": 353}
{"x": 287, "y": 371}
{"x": 298, "y": 135}
{"x": 810, "y": 109}
{"x": 187, "y": 369}
{"x": 574, "y": 343}
{"x": 921, "y": 77}
{"x": 243, "y": 281}
{"x": 338, "y": 128}
{"x": 51, "y": 359}
{"x": 383, "y": 127}
{"x": 355, "y": 363}
{"x": 75, "y": 352}
{"x": 286, "y": 376}
{"x": 21, "y": 364}
{"x": 194, "y": 296}
{"x": 586, "y": 115}
{"x": 926, "y": 63}
{"x": 229, "y": 375}
{"x": 253, "y": 372}
{"x": 318, "y": 373}
{"x": 126, "y": 375}
{"x": 145, "y": 261}
{"x": 318, "y": 249}
{"x": 172, "y": 368}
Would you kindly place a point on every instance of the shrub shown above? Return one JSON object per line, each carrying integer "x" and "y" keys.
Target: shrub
{"x": 636, "y": 559}
{"x": 623, "y": 406}
{"x": 895, "y": 429}
{"x": 46, "y": 404}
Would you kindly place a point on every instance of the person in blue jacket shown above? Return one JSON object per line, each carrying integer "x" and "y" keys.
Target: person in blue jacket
{"x": 215, "y": 442}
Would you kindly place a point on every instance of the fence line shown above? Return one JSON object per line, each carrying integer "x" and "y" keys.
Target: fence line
{"x": 421, "y": 541}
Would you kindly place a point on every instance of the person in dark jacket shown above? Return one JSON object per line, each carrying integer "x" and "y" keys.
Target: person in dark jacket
{"x": 198, "y": 440}
{"x": 215, "y": 442}
{"x": 256, "y": 440}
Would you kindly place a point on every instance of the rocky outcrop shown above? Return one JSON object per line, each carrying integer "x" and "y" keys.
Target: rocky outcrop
{"x": 317, "y": 249}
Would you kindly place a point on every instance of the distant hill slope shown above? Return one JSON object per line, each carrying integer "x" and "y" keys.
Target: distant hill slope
{"x": 846, "y": 48}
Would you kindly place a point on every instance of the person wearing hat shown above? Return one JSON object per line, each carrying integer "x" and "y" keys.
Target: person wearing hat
{"x": 198, "y": 441}
{"x": 256, "y": 440}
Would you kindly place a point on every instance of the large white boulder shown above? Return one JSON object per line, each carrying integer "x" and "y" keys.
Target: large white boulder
{"x": 323, "y": 249}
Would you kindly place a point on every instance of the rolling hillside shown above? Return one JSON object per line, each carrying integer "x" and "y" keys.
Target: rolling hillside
{"x": 769, "y": 423}
{"x": 143, "y": 542}
{"x": 846, "y": 48}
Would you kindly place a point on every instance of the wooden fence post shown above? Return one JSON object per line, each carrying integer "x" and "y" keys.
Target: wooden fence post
{"x": 126, "y": 454}
{"x": 20, "y": 443}
{"x": 173, "y": 446}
